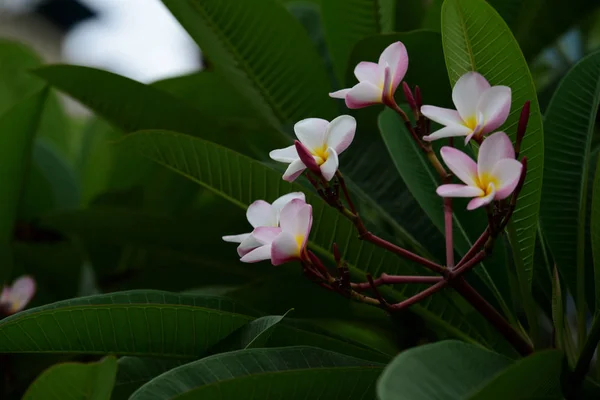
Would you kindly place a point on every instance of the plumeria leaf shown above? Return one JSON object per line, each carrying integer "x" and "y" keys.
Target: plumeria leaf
{"x": 569, "y": 128}
{"x": 282, "y": 76}
{"x": 595, "y": 232}
{"x": 475, "y": 38}
{"x": 76, "y": 381}
{"x": 242, "y": 180}
{"x": 289, "y": 372}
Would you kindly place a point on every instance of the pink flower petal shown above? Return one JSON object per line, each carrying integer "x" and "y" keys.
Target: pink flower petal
{"x": 494, "y": 148}
{"x": 265, "y": 234}
{"x": 507, "y": 173}
{"x": 295, "y": 217}
{"x": 286, "y": 198}
{"x": 448, "y": 131}
{"x": 453, "y": 190}
{"x": 341, "y": 133}
{"x": 260, "y": 213}
{"x": 284, "y": 249}
{"x": 460, "y": 164}
{"x": 236, "y": 238}
{"x": 482, "y": 201}
{"x": 362, "y": 95}
{"x": 367, "y": 71}
{"x": 294, "y": 170}
{"x": 329, "y": 167}
{"x": 21, "y": 293}
{"x": 248, "y": 244}
{"x": 467, "y": 92}
{"x": 443, "y": 116}
{"x": 307, "y": 158}
{"x": 396, "y": 56}
{"x": 494, "y": 104}
{"x": 286, "y": 155}
{"x": 340, "y": 94}
{"x": 259, "y": 254}
{"x": 311, "y": 132}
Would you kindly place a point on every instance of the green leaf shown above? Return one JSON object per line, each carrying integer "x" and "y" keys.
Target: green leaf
{"x": 75, "y": 381}
{"x": 290, "y": 373}
{"x": 569, "y": 129}
{"x": 475, "y": 38}
{"x": 131, "y": 106}
{"x": 595, "y": 230}
{"x": 144, "y": 323}
{"x": 447, "y": 370}
{"x": 18, "y": 126}
{"x": 252, "y": 335}
{"x": 348, "y": 21}
{"x": 558, "y": 316}
{"x": 281, "y": 75}
{"x": 535, "y": 377}
{"x": 241, "y": 180}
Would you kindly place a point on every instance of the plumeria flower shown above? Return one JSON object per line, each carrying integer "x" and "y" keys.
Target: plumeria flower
{"x": 14, "y": 298}
{"x": 261, "y": 214}
{"x": 295, "y": 223}
{"x": 377, "y": 82}
{"x": 323, "y": 140}
{"x": 494, "y": 177}
{"x": 480, "y": 109}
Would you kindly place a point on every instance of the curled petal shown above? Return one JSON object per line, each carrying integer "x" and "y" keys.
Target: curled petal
{"x": 494, "y": 148}
{"x": 286, "y": 198}
{"x": 367, "y": 71}
{"x": 362, "y": 95}
{"x": 387, "y": 84}
{"x": 265, "y": 234}
{"x": 294, "y": 170}
{"x": 494, "y": 104}
{"x": 311, "y": 132}
{"x": 460, "y": 164}
{"x": 507, "y": 173}
{"x": 260, "y": 213}
{"x": 453, "y": 190}
{"x": 236, "y": 238}
{"x": 307, "y": 157}
{"x": 443, "y": 116}
{"x": 259, "y": 254}
{"x": 396, "y": 56}
{"x": 341, "y": 133}
{"x": 466, "y": 93}
{"x": 248, "y": 244}
{"x": 19, "y": 294}
{"x": 482, "y": 201}
{"x": 329, "y": 167}
{"x": 286, "y": 155}
{"x": 340, "y": 94}
{"x": 284, "y": 248}
{"x": 449, "y": 131}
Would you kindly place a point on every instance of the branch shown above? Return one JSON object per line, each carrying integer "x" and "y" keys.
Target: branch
{"x": 386, "y": 279}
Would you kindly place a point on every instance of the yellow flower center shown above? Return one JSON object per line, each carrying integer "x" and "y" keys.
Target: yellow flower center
{"x": 485, "y": 181}
{"x": 299, "y": 241}
{"x": 471, "y": 122}
{"x": 320, "y": 154}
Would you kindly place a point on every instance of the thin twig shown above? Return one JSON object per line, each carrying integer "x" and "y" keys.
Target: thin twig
{"x": 418, "y": 297}
{"x": 386, "y": 279}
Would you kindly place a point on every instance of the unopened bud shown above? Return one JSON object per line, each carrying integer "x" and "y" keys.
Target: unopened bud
{"x": 522, "y": 128}
{"x": 409, "y": 96}
{"x": 418, "y": 97}
{"x": 307, "y": 158}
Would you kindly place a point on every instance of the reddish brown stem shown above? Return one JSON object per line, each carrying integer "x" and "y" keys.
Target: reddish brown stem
{"x": 493, "y": 316}
{"x": 448, "y": 233}
{"x": 418, "y": 297}
{"x": 386, "y": 279}
{"x": 475, "y": 248}
{"x": 345, "y": 191}
{"x": 469, "y": 264}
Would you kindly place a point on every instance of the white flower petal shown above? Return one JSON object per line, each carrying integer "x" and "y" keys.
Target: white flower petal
{"x": 249, "y": 244}
{"x": 286, "y": 198}
{"x": 443, "y": 116}
{"x": 494, "y": 148}
{"x": 259, "y": 254}
{"x": 294, "y": 170}
{"x": 362, "y": 95}
{"x": 367, "y": 71}
{"x": 453, "y": 190}
{"x": 284, "y": 248}
{"x": 396, "y": 56}
{"x": 460, "y": 164}
{"x": 482, "y": 201}
{"x": 260, "y": 213}
{"x": 341, "y": 133}
{"x": 507, "y": 173}
{"x": 340, "y": 94}
{"x": 329, "y": 167}
{"x": 21, "y": 293}
{"x": 296, "y": 218}
{"x": 467, "y": 92}
{"x": 286, "y": 155}
{"x": 494, "y": 105}
{"x": 236, "y": 238}
{"x": 265, "y": 235}
{"x": 311, "y": 132}
{"x": 448, "y": 131}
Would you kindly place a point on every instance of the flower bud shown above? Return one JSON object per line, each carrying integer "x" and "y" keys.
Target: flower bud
{"x": 307, "y": 158}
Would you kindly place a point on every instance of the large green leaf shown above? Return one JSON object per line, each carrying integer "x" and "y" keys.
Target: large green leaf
{"x": 144, "y": 323}
{"x": 595, "y": 231}
{"x": 281, "y": 75}
{"x": 75, "y": 381}
{"x": 18, "y": 126}
{"x": 290, "y": 373}
{"x": 569, "y": 129}
{"x": 535, "y": 377}
{"x": 475, "y": 38}
{"x": 348, "y": 21}
{"x": 131, "y": 106}
{"x": 242, "y": 180}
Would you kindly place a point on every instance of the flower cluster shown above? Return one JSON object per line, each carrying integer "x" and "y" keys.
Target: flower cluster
{"x": 281, "y": 229}
{"x": 14, "y": 298}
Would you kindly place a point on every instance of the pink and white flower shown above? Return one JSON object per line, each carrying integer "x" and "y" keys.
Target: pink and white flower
{"x": 16, "y": 297}
{"x": 295, "y": 223}
{"x": 377, "y": 81}
{"x": 494, "y": 177}
{"x": 261, "y": 214}
{"x": 323, "y": 140}
{"x": 480, "y": 109}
